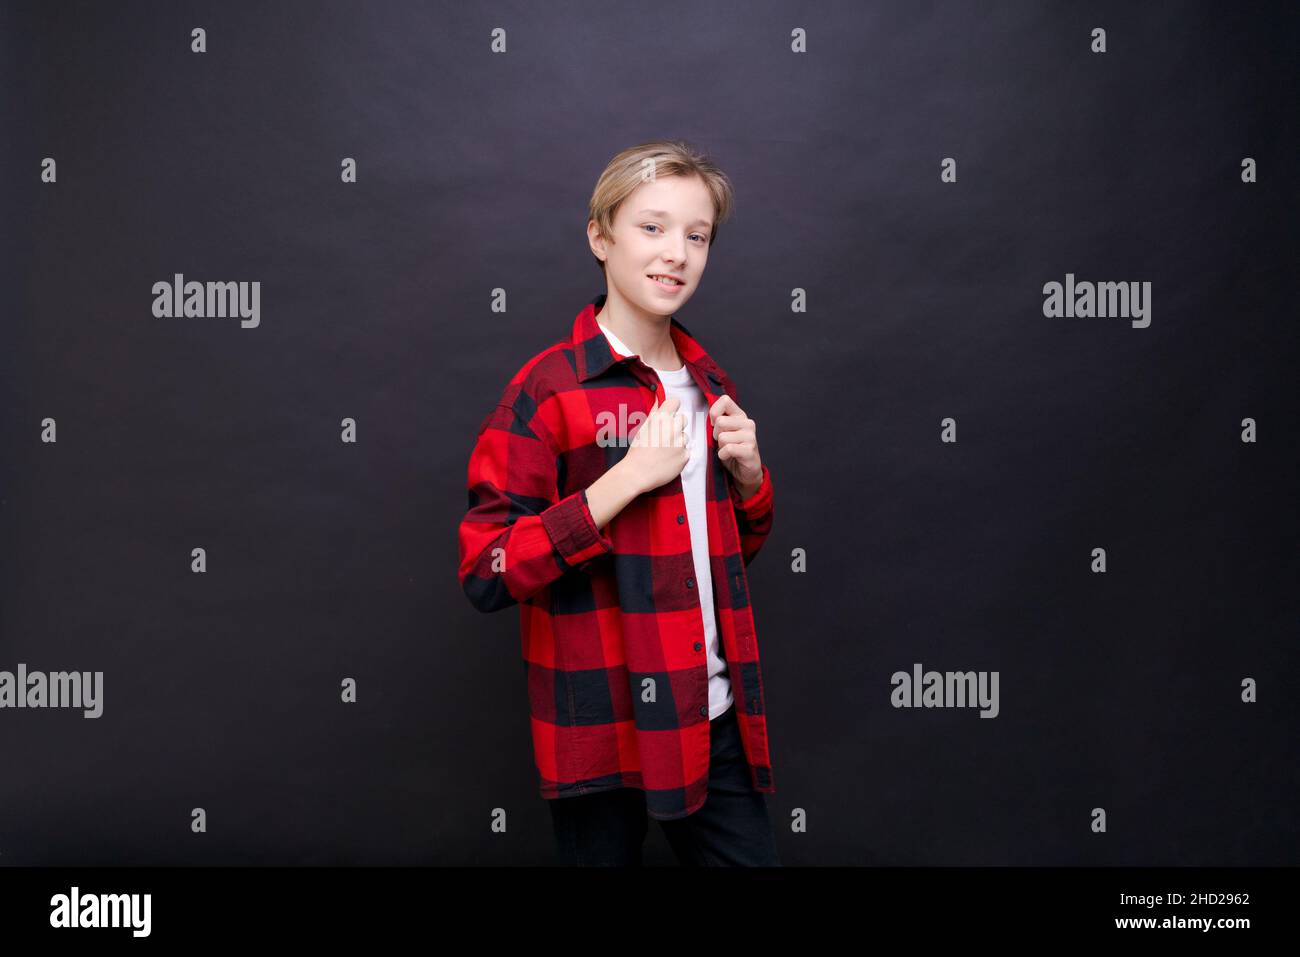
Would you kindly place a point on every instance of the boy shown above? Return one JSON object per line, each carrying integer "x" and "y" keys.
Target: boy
{"x": 616, "y": 496}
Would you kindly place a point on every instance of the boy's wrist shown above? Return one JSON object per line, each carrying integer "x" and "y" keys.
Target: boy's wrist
{"x": 611, "y": 493}
{"x": 628, "y": 480}
{"x": 754, "y": 500}
{"x": 748, "y": 491}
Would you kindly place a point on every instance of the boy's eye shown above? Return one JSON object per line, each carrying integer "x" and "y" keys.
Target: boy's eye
{"x": 700, "y": 236}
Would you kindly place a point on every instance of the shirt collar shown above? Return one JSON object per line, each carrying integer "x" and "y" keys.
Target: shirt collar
{"x": 595, "y": 354}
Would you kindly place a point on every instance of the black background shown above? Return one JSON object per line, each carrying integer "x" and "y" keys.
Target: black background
{"x": 328, "y": 560}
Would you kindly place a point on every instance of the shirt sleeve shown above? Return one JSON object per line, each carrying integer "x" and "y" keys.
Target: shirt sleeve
{"x": 518, "y": 535}
{"x": 753, "y": 516}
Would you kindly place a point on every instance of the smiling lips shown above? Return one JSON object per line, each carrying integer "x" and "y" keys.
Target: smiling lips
{"x": 676, "y": 281}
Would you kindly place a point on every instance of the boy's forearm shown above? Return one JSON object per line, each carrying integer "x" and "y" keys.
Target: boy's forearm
{"x": 610, "y": 494}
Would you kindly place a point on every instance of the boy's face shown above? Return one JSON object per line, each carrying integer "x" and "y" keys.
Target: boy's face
{"x": 662, "y": 228}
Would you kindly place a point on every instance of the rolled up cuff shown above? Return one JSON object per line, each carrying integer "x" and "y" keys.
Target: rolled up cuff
{"x": 573, "y": 531}
{"x": 760, "y": 502}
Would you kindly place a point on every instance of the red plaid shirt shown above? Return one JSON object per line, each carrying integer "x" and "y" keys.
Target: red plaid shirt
{"x": 610, "y": 619}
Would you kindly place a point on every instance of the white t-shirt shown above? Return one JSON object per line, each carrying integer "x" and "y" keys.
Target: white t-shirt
{"x": 680, "y": 384}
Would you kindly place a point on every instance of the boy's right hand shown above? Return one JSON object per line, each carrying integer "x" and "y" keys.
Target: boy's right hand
{"x": 660, "y": 449}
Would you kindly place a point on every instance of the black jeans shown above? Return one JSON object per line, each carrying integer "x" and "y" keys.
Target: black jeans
{"x": 731, "y": 829}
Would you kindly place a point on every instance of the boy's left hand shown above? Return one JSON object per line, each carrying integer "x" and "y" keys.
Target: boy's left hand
{"x": 736, "y": 436}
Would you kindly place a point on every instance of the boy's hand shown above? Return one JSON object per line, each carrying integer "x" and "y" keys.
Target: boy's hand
{"x": 736, "y": 435}
{"x": 659, "y": 450}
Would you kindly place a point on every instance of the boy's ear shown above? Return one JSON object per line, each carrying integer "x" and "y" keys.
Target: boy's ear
{"x": 596, "y": 241}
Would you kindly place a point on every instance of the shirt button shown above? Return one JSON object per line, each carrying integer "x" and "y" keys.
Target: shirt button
{"x": 698, "y": 646}
{"x": 681, "y": 519}
{"x": 690, "y": 583}
{"x": 704, "y": 710}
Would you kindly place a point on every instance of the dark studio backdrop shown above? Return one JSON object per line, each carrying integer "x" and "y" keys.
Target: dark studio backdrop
{"x": 327, "y": 560}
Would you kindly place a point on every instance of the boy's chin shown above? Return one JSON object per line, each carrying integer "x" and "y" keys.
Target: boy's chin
{"x": 659, "y": 305}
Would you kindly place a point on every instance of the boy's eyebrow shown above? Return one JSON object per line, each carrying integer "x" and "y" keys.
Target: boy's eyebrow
{"x": 663, "y": 215}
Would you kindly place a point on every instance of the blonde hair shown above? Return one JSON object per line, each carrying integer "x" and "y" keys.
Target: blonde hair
{"x": 626, "y": 172}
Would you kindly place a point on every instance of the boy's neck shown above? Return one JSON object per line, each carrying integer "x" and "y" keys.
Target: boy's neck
{"x": 648, "y": 336}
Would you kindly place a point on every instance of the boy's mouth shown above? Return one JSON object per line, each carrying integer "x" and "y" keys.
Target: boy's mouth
{"x": 666, "y": 281}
